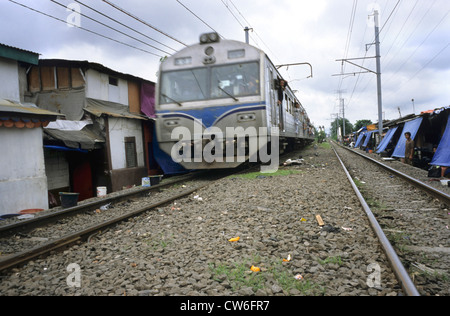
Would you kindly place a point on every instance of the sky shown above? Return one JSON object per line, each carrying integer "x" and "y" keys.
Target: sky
{"x": 414, "y": 44}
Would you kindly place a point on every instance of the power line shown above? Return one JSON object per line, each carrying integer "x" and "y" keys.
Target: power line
{"x": 390, "y": 15}
{"x": 124, "y": 25}
{"x": 192, "y": 12}
{"x": 429, "y": 62}
{"x": 254, "y": 31}
{"x": 417, "y": 48}
{"x": 111, "y": 28}
{"x": 84, "y": 29}
{"x": 401, "y": 29}
{"x": 418, "y": 24}
{"x": 349, "y": 36}
{"x": 142, "y": 21}
{"x": 235, "y": 17}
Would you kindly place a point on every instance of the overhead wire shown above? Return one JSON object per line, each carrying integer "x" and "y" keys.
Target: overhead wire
{"x": 203, "y": 21}
{"x": 419, "y": 46}
{"x": 253, "y": 29}
{"x": 381, "y": 29}
{"x": 143, "y": 22}
{"x": 84, "y": 29}
{"x": 417, "y": 25}
{"x": 348, "y": 41}
{"x": 111, "y": 28}
{"x": 390, "y": 15}
{"x": 124, "y": 25}
{"x": 417, "y": 22}
{"x": 402, "y": 27}
{"x": 429, "y": 62}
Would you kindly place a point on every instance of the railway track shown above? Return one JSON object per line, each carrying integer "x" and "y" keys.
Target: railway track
{"x": 185, "y": 248}
{"x": 22, "y": 241}
{"x": 413, "y": 215}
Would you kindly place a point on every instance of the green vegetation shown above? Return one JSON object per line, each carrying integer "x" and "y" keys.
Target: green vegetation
{"x": 255, "y": 175}
{"x": 337, "y": 260}
{"x": 240, "y": 276}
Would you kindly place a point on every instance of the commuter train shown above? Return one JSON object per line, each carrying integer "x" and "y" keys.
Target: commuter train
{"x": 220, "y": 103}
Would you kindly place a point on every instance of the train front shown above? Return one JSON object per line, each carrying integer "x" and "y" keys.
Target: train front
{"x": 210, "y": 104}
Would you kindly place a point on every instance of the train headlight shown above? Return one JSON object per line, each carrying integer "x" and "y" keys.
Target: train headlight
{"x": 209, "y": 50}
{"x": 171, "y": 123}
{"x": 209, "y": 38}
{"x": 246, "y": 117}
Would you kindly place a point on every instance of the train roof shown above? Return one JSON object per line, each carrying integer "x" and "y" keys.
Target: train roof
{"x": 207, "y": 52}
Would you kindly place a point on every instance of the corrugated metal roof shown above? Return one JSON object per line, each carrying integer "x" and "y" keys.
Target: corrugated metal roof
{"x": 99, "y": 107}
{"x": 19, "y": 54}
{"x": 9, "y": 106}
{"x": 84, "y": 139}
{"x": 84, "y": 64}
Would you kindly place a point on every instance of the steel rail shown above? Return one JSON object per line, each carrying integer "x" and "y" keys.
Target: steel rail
{"x": 45, "y": 248}
{"x": 397, "y": 266}
{"x": 54, "y": 216}
{"x": 441, "y": 196}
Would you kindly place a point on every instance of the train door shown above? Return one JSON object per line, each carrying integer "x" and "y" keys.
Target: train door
{"x": 281, "y": 110}
{"x": 273, "y": 100}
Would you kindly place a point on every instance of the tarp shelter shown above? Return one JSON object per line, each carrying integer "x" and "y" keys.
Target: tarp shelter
{"x": 75, "y": 134}
{"x": 385, "y": 142}
{"x": 413, "y": 128}
{"x": 369, "y": 135}
{"x": 360, "y": 138}
{"x": 442, "y": 155}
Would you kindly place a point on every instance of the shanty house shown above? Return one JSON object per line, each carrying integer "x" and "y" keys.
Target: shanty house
{"x": 23, "y": 182}
{"x": 105, "y": 139}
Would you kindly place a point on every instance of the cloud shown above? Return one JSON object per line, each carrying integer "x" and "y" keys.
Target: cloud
{"x": 288, "y": 31}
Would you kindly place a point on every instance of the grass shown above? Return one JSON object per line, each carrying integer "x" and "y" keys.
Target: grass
{"x": 337, "y": 260}
{"x": 255, "y": 175}
{"x": 159, "y": 243}
{"x": 240, "y": 276}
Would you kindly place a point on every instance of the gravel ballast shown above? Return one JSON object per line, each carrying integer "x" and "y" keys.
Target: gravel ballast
{"x": 184, "y": 248}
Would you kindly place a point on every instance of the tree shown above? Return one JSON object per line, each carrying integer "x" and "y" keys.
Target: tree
{"x": 361, "y": 123}
{"x": 338, "y": 123}
{"x": 320, "y": 134}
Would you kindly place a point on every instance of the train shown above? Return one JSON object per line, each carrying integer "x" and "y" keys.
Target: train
{"x": 220, "y": 103}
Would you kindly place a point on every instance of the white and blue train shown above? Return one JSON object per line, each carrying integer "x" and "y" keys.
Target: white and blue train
{"x": 219, "y": 86}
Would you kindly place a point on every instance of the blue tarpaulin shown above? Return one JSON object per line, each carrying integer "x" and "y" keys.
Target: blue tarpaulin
{"x": 369, "y": 136}
{"x": 413, "y": 128}
{"x": 63, "y": 148}
{"x": 442, "y": 155}
{"x": 360, "y": 138}
{"x": 385, "y": 142}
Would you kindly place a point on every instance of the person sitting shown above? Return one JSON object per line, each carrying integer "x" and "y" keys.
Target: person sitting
{"x": 445, "y": 172}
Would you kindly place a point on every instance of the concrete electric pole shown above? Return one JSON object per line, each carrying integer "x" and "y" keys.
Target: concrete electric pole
{"x": 377, "y": 72}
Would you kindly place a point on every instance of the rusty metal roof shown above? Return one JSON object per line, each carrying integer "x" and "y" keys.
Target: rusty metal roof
{"x": 8, "y": 106}
{"x": 99, "y": 107}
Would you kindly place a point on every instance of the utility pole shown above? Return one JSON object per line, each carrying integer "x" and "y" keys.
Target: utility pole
{"x": 377, "y": 72}
{"x": 378, "y": 58}
{"x": 342, "y": 111}
{"x": 335, "y": 116}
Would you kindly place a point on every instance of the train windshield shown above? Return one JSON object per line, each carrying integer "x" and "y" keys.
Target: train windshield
{"x": 236, "y": 80}
{"x": 217, "y": 82}
{"x": 184, "y": 85}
